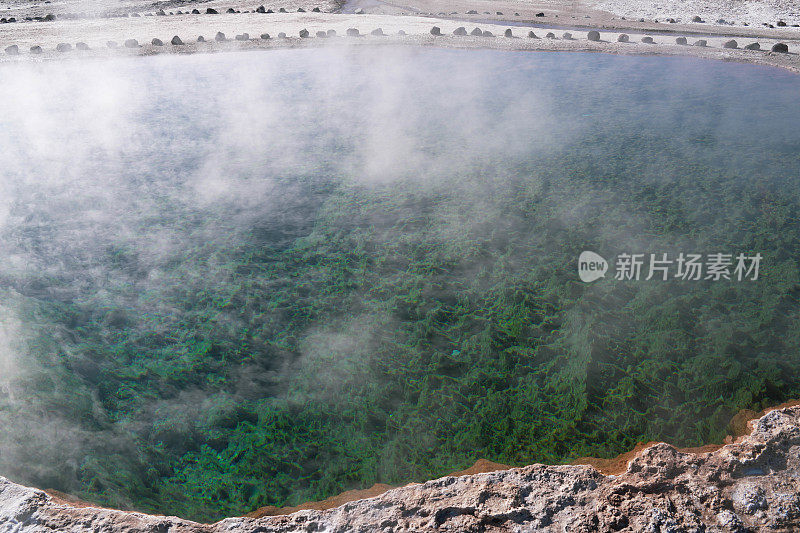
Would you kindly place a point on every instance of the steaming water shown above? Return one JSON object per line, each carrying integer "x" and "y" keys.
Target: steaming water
{"x": 248, "y": 279}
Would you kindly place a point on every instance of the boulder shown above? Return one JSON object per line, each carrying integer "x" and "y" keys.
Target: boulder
{"x": 304, "y": 33}
{"x": 681, "y": 41}
{"x": 508, "y": 33}
{"x": 322, "y": 34}
{"x": 377, "y": 32}
{"x": 731, "y": 44}
{"x": 593, "y": 35}
{"x": 476, "y": 32}
{"x": 201, "y": 39}
{"x": 352, "y": 32}
{"x": 219, "y": 37}
{"x": 112, "y": 44}
{"x": 752, "y": 46}
{"x": 436, "y": 30}
{"x": 550, "y": 35}
{"x": 487, "y": 33}
{"x": 270, "y": 11}
{"x": 281, "y": 35}
{"x": 499, "y": 13}
{"x": 36, "y": 50}
{"x": 195, "y": 12}
{"x": 160, "y": 13}
{"x": 697, "y": 19}
{"x": 539, "y": 14}
{"x": 282, "y": 10}
{"x": 243, "y": 37}
{"x": 49, "y": 17}
{"x": 701, "y": 43}
{"x": 82, "y": 46}
{"x": 780, "y": 48}
{"x": 301, "y": 10}
{"x": 567, "y": 36}
{"x": 211, "y": 11}
{"x": 64, "y": 47}
{"x": 647, "y": 39}
{"x": 176, "y": 41}
{"x": 265, "y": 36}
{"x": 230, "y": 10}
{"x": 332, "y": 33}
{"x": 472, "y": 12}
{"x": 261, "y": 9}
{"x": 780, "y": 24}
{"x": 316, "y": 10}
{"x": 461, "y": 30}
{"x": 12, "y": 50}
{"x": 623, "y": 38}
{"x": 157, "y": 42}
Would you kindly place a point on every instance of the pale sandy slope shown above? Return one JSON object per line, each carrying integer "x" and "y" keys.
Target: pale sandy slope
{"x": 753, "y": 12}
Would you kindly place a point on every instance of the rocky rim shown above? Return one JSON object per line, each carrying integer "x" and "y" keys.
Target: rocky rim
{"x": 752, "y": 484}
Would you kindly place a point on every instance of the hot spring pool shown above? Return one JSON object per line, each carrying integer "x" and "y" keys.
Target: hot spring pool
{"x": 245, "y": 279}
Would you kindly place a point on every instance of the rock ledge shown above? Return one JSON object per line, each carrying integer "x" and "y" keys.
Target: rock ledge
{"x": 750, "y": 485}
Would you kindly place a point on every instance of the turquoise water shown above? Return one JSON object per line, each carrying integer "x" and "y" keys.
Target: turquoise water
{"x": 260, "y": 278}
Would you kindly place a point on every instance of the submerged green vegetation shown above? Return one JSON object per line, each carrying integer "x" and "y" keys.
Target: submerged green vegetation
{"x": 355, "y": 332}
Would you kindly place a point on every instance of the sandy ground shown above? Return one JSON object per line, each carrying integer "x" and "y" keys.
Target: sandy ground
{"x": 96, "y": 32}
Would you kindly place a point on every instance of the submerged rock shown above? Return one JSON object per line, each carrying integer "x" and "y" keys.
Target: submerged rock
{"x": 593, "y": 35}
